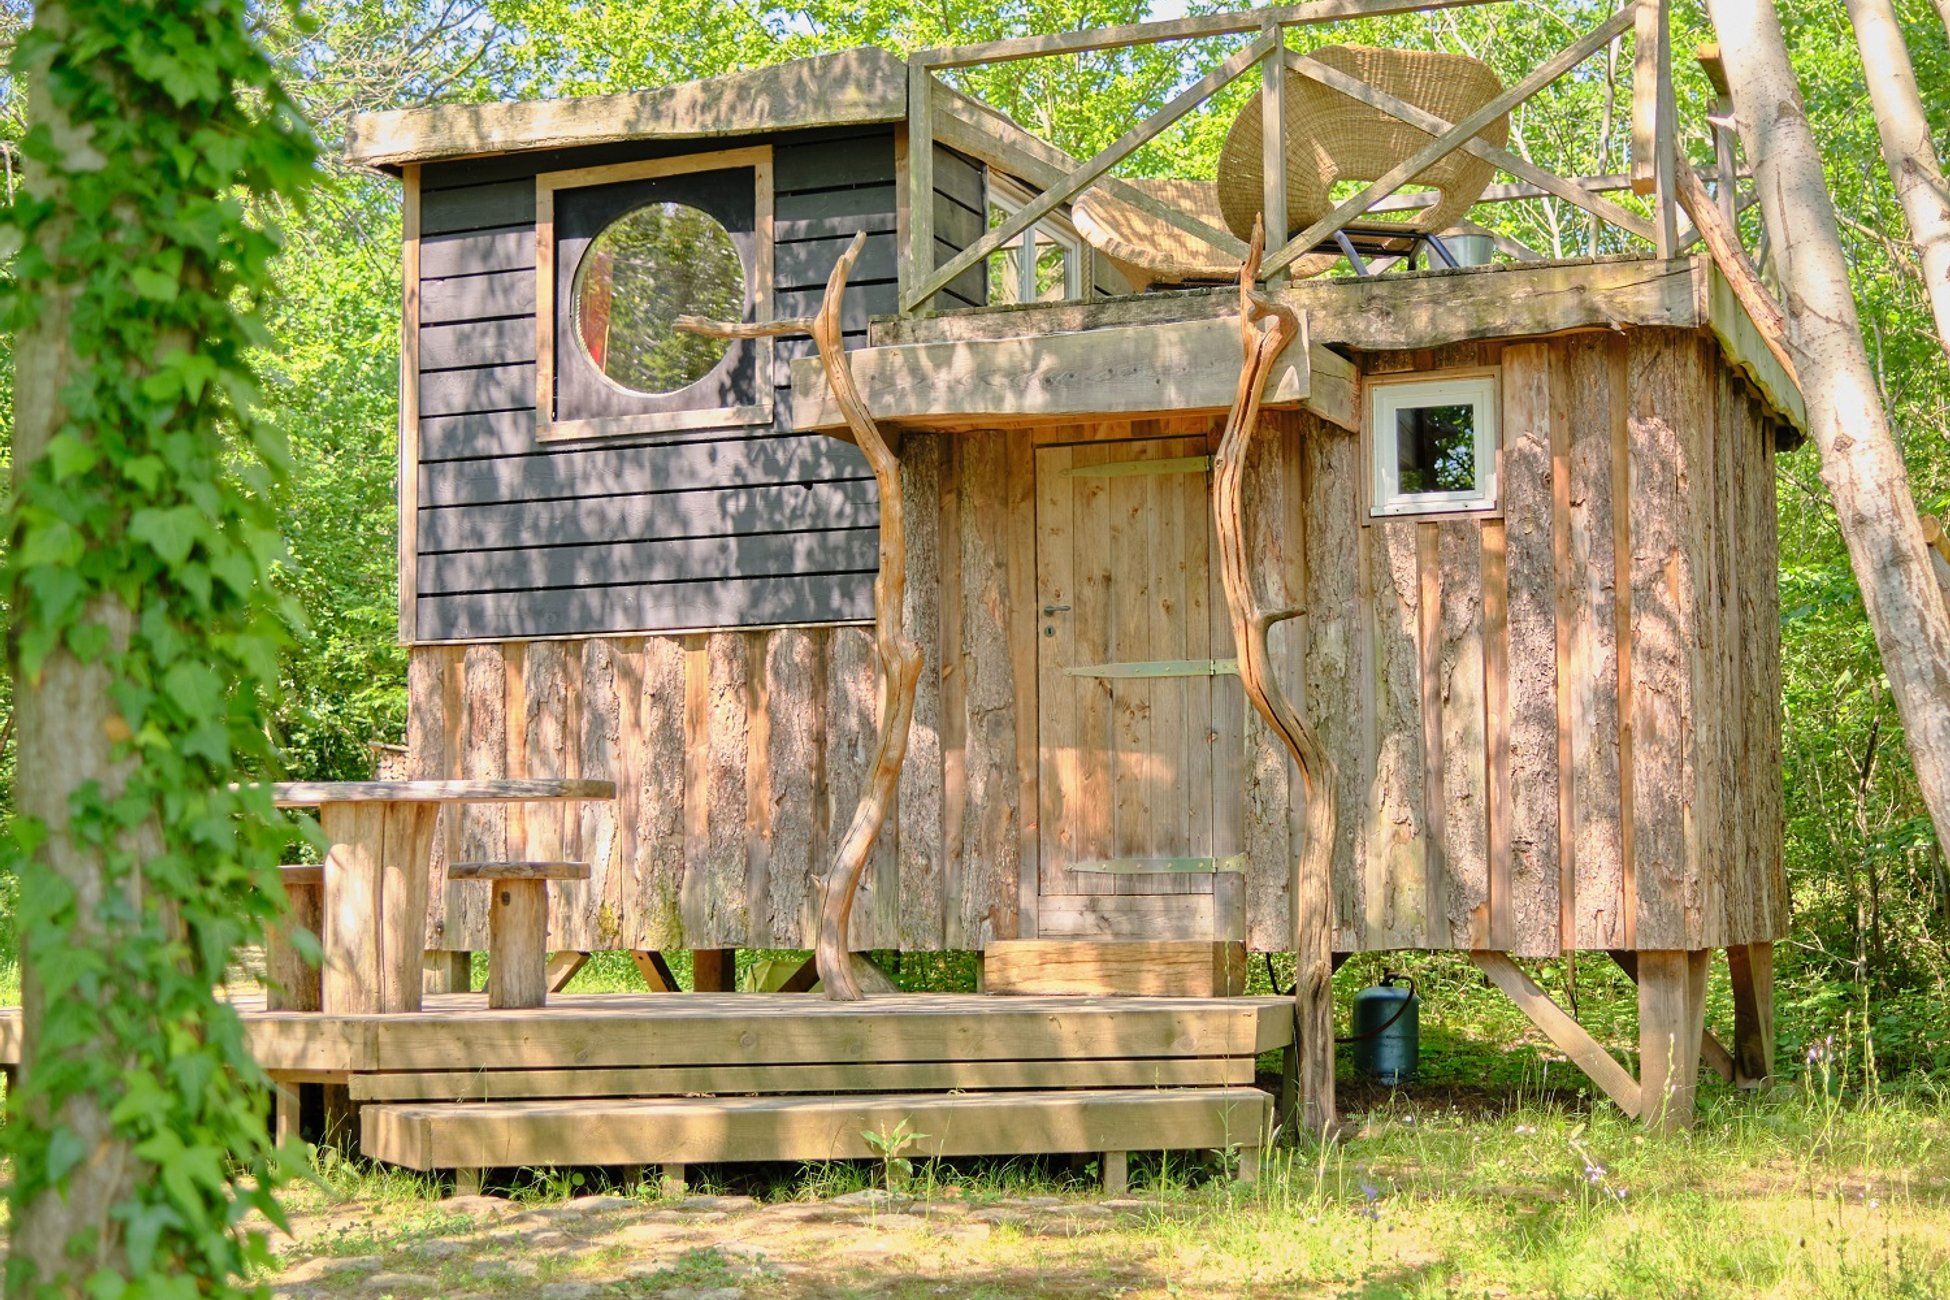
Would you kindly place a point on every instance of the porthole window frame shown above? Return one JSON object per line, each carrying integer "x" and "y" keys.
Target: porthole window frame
{"x": 1479, "y": 388}
{"x": 554, "y": 294}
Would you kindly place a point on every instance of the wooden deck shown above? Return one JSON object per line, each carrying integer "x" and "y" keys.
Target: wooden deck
{"x": 663, "y": 1078}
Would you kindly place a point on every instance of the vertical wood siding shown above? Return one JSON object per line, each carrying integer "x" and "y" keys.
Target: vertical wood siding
{"x": 725, "y": 528}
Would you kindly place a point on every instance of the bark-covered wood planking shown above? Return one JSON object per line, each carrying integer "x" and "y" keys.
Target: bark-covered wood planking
{"x": 695, "y": 529}
{"x": 1558, "y": 801}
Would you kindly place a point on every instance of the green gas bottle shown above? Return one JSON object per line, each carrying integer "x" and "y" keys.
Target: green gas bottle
{"x": 1387, "y": 1031}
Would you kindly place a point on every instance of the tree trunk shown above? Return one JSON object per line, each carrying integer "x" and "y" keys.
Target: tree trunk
{"x": 66, "y": 727}
{"x": 1907, "y": 147}
{"x": 1859, "y": 459}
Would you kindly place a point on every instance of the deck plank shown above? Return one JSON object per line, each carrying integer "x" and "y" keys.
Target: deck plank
{"x": 697, "y": 1130}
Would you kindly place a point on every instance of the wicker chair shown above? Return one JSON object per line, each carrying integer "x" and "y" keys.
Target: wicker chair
{"x": 1148, "y": 252}
{"x": 1331, "y": 138}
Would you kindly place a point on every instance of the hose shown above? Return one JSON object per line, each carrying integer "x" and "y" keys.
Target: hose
{"x": 1387, "y": 977}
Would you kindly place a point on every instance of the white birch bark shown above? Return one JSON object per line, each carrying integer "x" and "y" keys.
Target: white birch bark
{"x": 1859, "y": 460}
{"x": 1907, "y": 147}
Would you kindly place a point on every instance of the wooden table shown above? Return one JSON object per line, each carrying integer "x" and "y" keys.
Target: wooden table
{"x": 380, "y": 840}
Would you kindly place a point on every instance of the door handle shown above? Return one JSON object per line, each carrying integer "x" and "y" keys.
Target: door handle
{"x": 1055, "y": 609}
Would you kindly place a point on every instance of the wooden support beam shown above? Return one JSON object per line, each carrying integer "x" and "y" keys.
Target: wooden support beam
{"x": 1252, "y": 622}
{"x": 285, "y": 1109}
{"x": 1570, "y": 1037}
{"x": 1751, "y": 966}
{"x": 670, "y": 1179}
{"x": 976, "y": 129}
{"x": 468, "y": 1182}
{"x": 562, "y": 967}
{"x": 714, "y": 970}
{"x": 292, "y": 983}
{"x": 1128, "y": 371}
{"x": 1672, "y": 1018}
{"x": 655, "y": 971}
{"x": 447, "y": 972}
{"x": 1712, "y": 1052}
{"x": 1117, "y": 1173}
{"x": 1172, "y": 29}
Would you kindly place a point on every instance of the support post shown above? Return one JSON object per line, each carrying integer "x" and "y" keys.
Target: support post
{"x": 1117, "y": 1173}
{"x": 1672, "y": 1016}
{"x": 562, "y": 967}
{"x": 655, "y": 971}
{"x": 714, "y": 970}
{"x": 517, "y": 931}
{"x": 1752, "y": 967}
{"x": 284, "y": 1100}
{"x": 671, "y": 1180}
{"x": 468, "y": 1182}
{"x": 1252, "y": 622}
{"x": 447, "y": 972}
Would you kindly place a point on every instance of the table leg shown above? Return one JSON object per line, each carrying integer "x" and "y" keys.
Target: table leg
{"x": 350, "y": 981}
{"x": 402, "y": 916}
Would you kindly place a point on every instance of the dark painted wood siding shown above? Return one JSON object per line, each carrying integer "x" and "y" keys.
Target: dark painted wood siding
{"x": 699, "y": 529}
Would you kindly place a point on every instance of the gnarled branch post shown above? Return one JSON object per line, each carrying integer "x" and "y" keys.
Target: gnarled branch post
{"x": 1252, "y": 623}
{"x": 899, "y": 657}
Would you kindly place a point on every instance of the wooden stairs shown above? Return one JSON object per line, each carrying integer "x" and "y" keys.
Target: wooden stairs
{"x": 679, "y": 1079}
{"x": 676, "y": 1131}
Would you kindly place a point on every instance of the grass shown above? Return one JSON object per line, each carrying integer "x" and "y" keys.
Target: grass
{"x": 1801, "y": 1193}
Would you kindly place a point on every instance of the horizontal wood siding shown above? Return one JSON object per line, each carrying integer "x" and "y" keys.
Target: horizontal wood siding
{"x": 692, "y": 530}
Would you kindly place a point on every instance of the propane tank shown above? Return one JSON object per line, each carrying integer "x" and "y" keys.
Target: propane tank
{"x": 1387, "y": 1030}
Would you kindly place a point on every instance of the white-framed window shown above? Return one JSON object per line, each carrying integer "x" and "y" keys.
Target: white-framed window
{"x": 1432, "y": 444}
{"x": 1043, "y": 264}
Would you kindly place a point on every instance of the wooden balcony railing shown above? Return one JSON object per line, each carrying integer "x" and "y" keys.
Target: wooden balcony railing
{"x": 939, "y": 113}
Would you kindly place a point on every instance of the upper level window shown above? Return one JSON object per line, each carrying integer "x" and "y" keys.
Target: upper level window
{"x": 1433, "y": 443}
{"x": 1043, "y": 264}
{"x": 622, "y": 250}
{"x": 647, "y": 268}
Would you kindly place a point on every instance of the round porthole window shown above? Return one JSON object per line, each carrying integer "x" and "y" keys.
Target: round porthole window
{"x": 647, "y": 268}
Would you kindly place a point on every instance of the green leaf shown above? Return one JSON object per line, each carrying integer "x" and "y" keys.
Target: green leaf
{"x": 169, "y": 533}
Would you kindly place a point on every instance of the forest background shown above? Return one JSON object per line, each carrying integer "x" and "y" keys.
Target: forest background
{"x": 1870, "y": 942}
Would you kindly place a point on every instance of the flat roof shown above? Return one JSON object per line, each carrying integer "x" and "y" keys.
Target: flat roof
{"x": 865, "y": 84}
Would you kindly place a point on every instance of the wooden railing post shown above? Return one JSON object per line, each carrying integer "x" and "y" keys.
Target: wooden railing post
{"x": 1653, "y": 110}
{"x": 1272, "y": 143}
{"x": 917, "y": 253}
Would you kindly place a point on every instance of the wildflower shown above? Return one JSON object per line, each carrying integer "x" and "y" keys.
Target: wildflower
{"x": 1526, "y": 1129}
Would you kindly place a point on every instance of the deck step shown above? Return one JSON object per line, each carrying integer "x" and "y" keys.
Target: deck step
{"x": 1116, "y": 967}
{"x": 802, "y": 1077}
{"x": 697, "y": 1130}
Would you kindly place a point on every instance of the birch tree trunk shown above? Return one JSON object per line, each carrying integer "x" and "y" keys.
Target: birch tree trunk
{"x": 1859, "y": 460}
{"x": 1907, "y": 147}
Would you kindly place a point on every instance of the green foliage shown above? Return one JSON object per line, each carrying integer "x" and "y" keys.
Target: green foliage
{"x": 153, "y": 494}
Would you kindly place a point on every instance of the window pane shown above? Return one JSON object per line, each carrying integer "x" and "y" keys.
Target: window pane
{"x": 1435, "y": 448}
{"x": 647, "y": 268}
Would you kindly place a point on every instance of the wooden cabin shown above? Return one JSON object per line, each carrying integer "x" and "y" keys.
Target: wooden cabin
{"x": 1517, "y": 520}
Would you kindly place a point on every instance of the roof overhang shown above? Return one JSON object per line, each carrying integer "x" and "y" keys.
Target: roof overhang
{"x": 853, "y": 87}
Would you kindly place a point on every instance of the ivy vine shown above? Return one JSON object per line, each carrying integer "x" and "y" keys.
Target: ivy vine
{"x": 152, "y": 125}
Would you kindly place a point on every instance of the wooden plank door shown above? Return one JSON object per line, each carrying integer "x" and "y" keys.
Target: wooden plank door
{"x": 1140, "y": 743}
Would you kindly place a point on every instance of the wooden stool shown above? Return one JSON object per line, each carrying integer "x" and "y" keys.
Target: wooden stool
{"x": 518, "y": 925}
{"x": 290, "y": 982}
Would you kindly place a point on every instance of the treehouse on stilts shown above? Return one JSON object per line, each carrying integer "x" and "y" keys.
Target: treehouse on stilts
{"x": 944, "y": 542}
